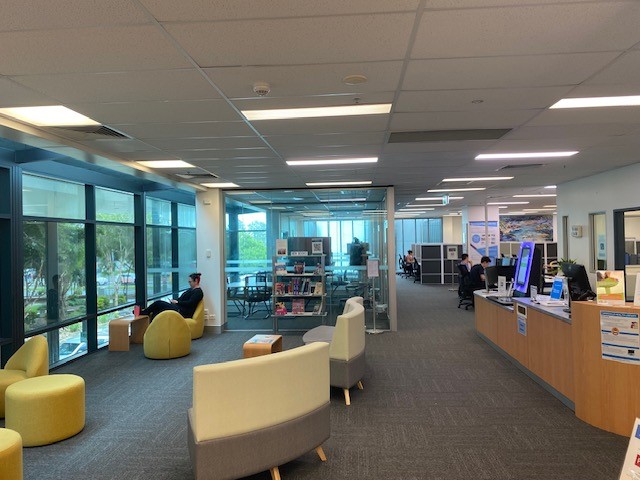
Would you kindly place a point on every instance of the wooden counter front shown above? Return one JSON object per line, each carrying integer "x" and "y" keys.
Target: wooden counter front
{"x": 607, "y": 392}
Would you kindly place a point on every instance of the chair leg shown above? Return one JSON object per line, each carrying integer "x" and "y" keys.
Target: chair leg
{"x": 347, "y": 399}
{"x": 360, "y": 386}
{"x": 321, "y": 454}
{"x": 275, "y": 473}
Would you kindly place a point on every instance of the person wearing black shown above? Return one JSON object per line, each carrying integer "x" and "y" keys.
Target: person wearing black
{"x": 477, "y": 273}
{"x": 185, "y": 305}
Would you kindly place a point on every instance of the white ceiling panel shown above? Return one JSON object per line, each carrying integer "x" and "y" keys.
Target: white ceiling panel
{"x": 149, "y": 155}
{"x": 371, "y": 123}
{"x": 119, "y": 145}
{"x": 430, "y": 147}
{"x": 504, "y": 72}
{"x": 152, "y": 112}
{"x": 491, "y": 99}
{"x": 13, "y": 94}
{"x": 585, "y": 116}
{"x": 210, "y": 10}
{"x": 314, "y": 101}
{"x": 100, "y": 49}
{"x": 52, "y": 14}
{"x": 461, "y": 120}
{"x": 207, "y": 143}
{"x": 332, "y": 139}
{"x": 141, "y": 86}
{"x": 268, "y": 42}
{"x": 605, "y": 90}
{"x": 624, "y": 70}
{"x": 235, "y": 153}
{"x": 525, "y": 30}
{"x": 569, "y": 131}
{"x": 299, "y": 80}
{"x": 292, "y": 153}
{"x": 546, "y": 144}
{"x": 185, "y": 129}
{"x": 490, "y": 3}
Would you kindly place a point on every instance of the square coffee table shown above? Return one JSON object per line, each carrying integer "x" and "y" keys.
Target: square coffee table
{"x": 262, "y": 345}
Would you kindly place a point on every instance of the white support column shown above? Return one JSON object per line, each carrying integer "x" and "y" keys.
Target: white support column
{"x": 391, "y": 260}
{"x": 210, "y": 240}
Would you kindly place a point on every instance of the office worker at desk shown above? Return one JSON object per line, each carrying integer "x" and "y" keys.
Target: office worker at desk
{"x": 466, "y": 261}
{"x": 476, "y": 274}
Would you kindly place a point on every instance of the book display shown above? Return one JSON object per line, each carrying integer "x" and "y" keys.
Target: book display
{"x": 299, "y": 285}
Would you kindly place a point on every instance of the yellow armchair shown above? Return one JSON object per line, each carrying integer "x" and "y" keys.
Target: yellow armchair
{"x": 168, "y": 336}
{"x": 31, "y": 360}
{"x": 196, "y": 324}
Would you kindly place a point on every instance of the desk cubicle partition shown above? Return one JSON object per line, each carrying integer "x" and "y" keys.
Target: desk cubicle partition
{"x": 435, "y": 267}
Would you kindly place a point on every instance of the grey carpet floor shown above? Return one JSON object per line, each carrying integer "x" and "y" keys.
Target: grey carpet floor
{"x": 438, "y": 404}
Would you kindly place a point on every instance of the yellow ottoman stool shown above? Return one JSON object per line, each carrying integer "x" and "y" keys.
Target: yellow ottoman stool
{"x": 45, "y": 409}
{"x": 10, "y": 455}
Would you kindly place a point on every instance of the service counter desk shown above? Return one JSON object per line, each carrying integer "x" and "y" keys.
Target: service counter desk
{"x": 564, "y": 354}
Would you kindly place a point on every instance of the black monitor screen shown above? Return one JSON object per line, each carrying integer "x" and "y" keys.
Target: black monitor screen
{"x": 578, "y": 280}
{"x": 491, "y": 277}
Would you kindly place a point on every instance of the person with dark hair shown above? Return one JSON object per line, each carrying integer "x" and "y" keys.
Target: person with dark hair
{"x": 185, "y": 305}
{"x": 477, "y": 273}
{"x": 466, "y": 261}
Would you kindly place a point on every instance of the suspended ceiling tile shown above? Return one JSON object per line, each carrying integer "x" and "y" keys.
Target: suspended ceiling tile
{"x": 161, "y": 112}
{"x": 140, "y": 86}
{"x": 624, "y": 70}
{"x": 584, "y": 116}
{"x": 330, "y": 139}
{"x": 47, "y": 14}
{"x": 526, "y": 30}
{"x": 267, "y": 103}
{"x": 485, "y": 99}
{"x": 235, "y": 153}
{"x": 504, "y": 72}
{"x": 456, "y": 4}
{"x": 13, "y": 94}
{"x": 207, "y": 143}
{"x": 185, "y": 129}
{"x": 353, "y": 124}
{"x": 461, "y": 120}
{"x": 300, "y": 80}
{"x": 100, "y": 49}
{"x": 268, "y": 42}
{"x": 199, "y": 10}
{"x": 427, "y": 147}
{"x": 569, "y": 131}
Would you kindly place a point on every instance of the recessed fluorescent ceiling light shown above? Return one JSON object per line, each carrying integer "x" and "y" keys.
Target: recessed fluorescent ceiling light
{"x": 339, "y": 111}
{"x": 428, "y": 199}
{"x": 344, "y": 200}
{"x": 591, "y": 102}
{"x": 165, "y": 164}
{"x": 508, "y": 203}
{"x": 550, "y": 186}
{"x": 550, "y": 206}
{"x": 535, "y": 196}
{"x": 51, "y": 116}
{"x": 242, "y": 192}
{"x": 374, "y": 212}
{"x": 337, "y": 184}
{"x": 495, "y": 156}
{"x": 435, "y": 190}
{"x": 422, "y": 206}
{"x": 219, "y": 185}
{"x": 333, "y": 161}
{"x": 503, "y": 206}
{"x": 475, "y": 179}
{"x": 409, "y": 209}
{"x": 537, "y": 209}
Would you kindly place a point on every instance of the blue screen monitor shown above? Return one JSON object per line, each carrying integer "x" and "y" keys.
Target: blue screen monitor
{"x": 523, "y": 268}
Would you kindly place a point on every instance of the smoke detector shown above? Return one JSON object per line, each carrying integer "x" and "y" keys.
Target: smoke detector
{"x": 261, "y": 88}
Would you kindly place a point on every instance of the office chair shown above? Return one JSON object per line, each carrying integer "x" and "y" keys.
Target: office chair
{"x": 465, "y": 288}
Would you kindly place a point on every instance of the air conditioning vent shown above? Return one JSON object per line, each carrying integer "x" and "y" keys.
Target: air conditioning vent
{"x": 448, "y": 135}
{"x": 521, "y": 165}
{"x": 92, "y": 130}
{"x": 197, "y": 175}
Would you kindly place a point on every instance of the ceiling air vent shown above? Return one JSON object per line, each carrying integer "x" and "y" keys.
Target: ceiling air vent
{"x": 520, "y": 165}
{"x": 197, "y": 175}
{"x": 91, "y": 131}
{"x": 448, "y": 135}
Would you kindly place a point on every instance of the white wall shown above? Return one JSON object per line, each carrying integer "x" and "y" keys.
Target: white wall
{"x": 452, "y": 229}
{"x": 604, "y": 192}
{"x": 632, "y": 227}
{"x": 210, "y": 257}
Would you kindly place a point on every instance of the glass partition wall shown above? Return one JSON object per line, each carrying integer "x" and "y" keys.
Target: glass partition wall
{"x": 325, "y": 237}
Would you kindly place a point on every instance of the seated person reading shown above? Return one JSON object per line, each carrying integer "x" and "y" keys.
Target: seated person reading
{"x": 185, "y": 305}
{"x": 477, "y": 273}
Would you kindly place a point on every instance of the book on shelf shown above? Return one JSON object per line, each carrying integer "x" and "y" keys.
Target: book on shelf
{"x": 297, "y": 305}
{"x": 318, "y": 270}
{"x": 318, "y": 288}
{"x": 318, "y": 308}
{"x": 298, "y": 267}
{"x": 281, "y": 268}
{"x": 280, "y": 309}
{"x": 279, "y": 288}
{"x": 281, "y": 246}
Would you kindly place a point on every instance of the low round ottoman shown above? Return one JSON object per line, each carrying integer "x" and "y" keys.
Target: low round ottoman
{"x": 45, "y": 409}
{"x": 10, "y": 455}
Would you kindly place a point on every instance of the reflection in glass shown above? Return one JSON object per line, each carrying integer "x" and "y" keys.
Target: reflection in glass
{"x": 114, "y": 206}
{"x": 54, "y": 273}
{"x": 115, "y": 263}
{"x": 158, "y": 212}
{"x": 186, "y": 216}
{"x": 43, "y": 197}
{"x": 186, "y": 256}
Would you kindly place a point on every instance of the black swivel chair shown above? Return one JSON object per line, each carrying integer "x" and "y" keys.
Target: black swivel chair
{"x": 465, "y": 287}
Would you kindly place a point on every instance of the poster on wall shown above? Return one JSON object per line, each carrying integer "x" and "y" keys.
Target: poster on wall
{"x": 610, "y": 287}
{"x": 602, "y": 247}
{"x": 477, "y": 246}
{"x": 631, "y": 466}
{"x": 526, "y": 228}
{"x": 620, "y": 337}
{"x": 452, "y": 252}
{"x": 281, "y": 246}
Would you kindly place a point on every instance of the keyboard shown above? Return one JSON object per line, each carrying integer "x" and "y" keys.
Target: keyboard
{"x": 503, "y": 300}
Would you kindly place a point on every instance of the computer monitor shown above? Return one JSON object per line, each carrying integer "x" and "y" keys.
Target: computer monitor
{"x": 504, "y": 261}
{"x": 528, "y": 270}
{"x": 579, "y": 286}
{"x": 491, "y": 277}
